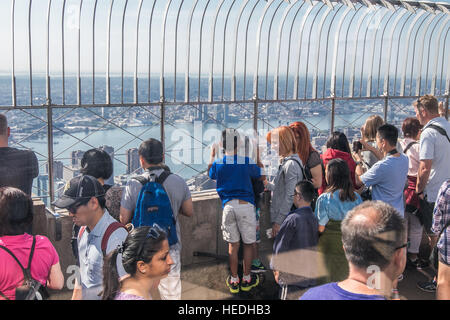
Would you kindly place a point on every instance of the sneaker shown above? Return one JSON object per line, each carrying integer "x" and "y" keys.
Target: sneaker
{"x": 427, "y": 286}
{"x": 234, "y": 286}
{"x": 258, "y": 268}
{"x": 417, "y": 264}
{"x": 247, "y": 286}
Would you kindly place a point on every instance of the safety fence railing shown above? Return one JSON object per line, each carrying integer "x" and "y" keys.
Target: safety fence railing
{"x": 79, "y": 74}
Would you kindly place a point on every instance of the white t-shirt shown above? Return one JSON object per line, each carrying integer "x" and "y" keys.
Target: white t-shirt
{"x": 435, "y": 146}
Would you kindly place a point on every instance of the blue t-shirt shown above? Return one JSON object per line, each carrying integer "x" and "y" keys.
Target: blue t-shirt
{"x": 331, "y": 291}
{"x": 233, "y": 175}
{"x": 330, "y": 207}
{"x": 387, "y": 178}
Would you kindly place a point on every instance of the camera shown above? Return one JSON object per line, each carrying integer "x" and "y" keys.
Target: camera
{"x": 357, "y": 145}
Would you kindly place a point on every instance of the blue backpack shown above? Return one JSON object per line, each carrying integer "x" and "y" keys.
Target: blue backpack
{"x": 153, "y": 206}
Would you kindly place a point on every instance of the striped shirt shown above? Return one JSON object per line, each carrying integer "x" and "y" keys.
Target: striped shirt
{"x": 441, "y": 219}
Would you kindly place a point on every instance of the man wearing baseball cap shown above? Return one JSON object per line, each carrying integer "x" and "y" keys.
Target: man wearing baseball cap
{"x": 84, "y": 198}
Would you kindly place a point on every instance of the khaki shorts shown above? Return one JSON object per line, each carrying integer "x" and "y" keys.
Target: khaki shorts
{"x": 239, "y": 220}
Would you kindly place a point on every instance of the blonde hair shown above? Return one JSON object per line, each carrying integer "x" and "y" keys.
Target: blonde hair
{"x": 371, "y": 126}
{"x": 287, "y": 143}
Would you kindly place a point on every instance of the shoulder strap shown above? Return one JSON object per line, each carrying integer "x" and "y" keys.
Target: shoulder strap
{"x": 162, "y": 177}
{"x": 15, "y": 258}
{"x": 439, "y": 129}
{"x": 301, "y": 167}
{"x": 143, "y": 180}
{"x": 31, "y": 253}
{"x": 111, "y": 228}
{"x": 409, "y": 146}
{"x": 80, "y": 233}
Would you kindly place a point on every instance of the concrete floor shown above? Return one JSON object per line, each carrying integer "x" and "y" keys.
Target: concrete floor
{"x": 205, "y": 280}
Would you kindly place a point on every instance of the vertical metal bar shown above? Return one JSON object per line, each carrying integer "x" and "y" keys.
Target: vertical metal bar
{"x": 136, "y": 85}
{"x": 47, "y": 74}
{"x": 345, "y": 47}
{"x": 200, "y": 50}
{"x": 268, "y": 48}
{"x": 245, "y": 48}
{"x": 280, "y": 31}
{"x": 352, "y": 74}
{"x": 394, "y": 26}
{"x": 108, "y": 54}
{"x": 150, "y": 49}
{"x": 408, "y": 37}
{"x": 316, "y": 69}
{"x": 333, "y": 111}
{"x": 363, "y": 53}
{"x": 309, "y": 45}
{"x": 29, "y": 53}
{"x": 63, "y": 54}
{"x": 437, "y": 50}
{"x": 13, "y": 55}
{"x": 255, "y": 116}
{"x": 188, "y": 55}
{"x": 258, "y": 46}
{"x": 382, "y": 42}
{"x": 436, "y": 60}
{"x": 295, "y": 94}
{"x": 176, "y": 54}
{"x": 386, "y": 105}
{"x": 236, "y": 29}
{"x": 211, "y": 70}
{"x": 336, "y": 43}
{"x": 93, "y": 52}
{"x": 419, "y": 76}
{"x": 162, "y": 124}
{"x": 224, "y": 46}
{"x": 49, "y": 112}
{"x": 442, "y": 63}
{"x": 163, "y": 41}
{"x": 123, "y": 28}
{"x": 50, "y": 151}
{"x": 289, "y": 50}
{"x": 396, "y": 62}
{"x": 372, "y": 56}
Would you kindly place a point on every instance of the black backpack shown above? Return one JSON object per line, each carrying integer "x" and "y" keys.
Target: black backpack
{"x": 30, "y": 289}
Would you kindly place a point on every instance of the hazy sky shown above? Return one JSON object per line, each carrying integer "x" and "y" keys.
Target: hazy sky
{"x": 71, "y": 28}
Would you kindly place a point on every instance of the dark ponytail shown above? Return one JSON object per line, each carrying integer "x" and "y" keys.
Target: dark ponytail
{"x": 138, "y": 246}
{"x": 111, "y": 283}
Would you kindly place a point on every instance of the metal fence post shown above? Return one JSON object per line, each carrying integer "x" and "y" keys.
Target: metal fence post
{"x": 163, "y": 119}
{"x": 333, "y": 107}
{"x": 386, "y": 105}
{"x": 50, "y": 149}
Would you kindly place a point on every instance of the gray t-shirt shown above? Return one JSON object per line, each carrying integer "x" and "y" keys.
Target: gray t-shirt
{"x": 435, "y": 146}
{"x": 175, "y": 187}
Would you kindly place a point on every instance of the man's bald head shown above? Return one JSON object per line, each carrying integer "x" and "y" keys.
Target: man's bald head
{"x": 371, "y": 233}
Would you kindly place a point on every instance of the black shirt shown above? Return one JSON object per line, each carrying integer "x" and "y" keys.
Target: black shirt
{"x": 18, "y": 168}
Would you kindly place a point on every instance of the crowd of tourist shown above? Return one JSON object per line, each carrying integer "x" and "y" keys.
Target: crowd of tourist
{"x": 344, "y": 223}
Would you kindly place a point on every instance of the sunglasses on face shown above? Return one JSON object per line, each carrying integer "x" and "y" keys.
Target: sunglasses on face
{"x": 73, "y": 208}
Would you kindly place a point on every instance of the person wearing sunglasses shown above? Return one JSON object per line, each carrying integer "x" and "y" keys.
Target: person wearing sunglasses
{"x": 145, "y": 257}
{"x": 374, "y": 236}
{"x": 84, "y": 198}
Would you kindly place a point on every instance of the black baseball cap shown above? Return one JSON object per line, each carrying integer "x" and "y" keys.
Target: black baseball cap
{"x": 78, "y": 189}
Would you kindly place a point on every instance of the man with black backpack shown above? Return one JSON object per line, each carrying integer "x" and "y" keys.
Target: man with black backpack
{"x": 434, "y": 169}
{"x": 100, "y": 233}
{"x": 157, "y": 197}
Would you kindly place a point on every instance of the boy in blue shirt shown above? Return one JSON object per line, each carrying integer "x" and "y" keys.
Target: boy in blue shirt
{"x": 295, "y": 246}
{"x": 233, "y": 174}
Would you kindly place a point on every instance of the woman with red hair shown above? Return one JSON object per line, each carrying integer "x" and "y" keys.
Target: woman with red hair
{"x": 309, "y": 156}
{"x": 282, "y": 140}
